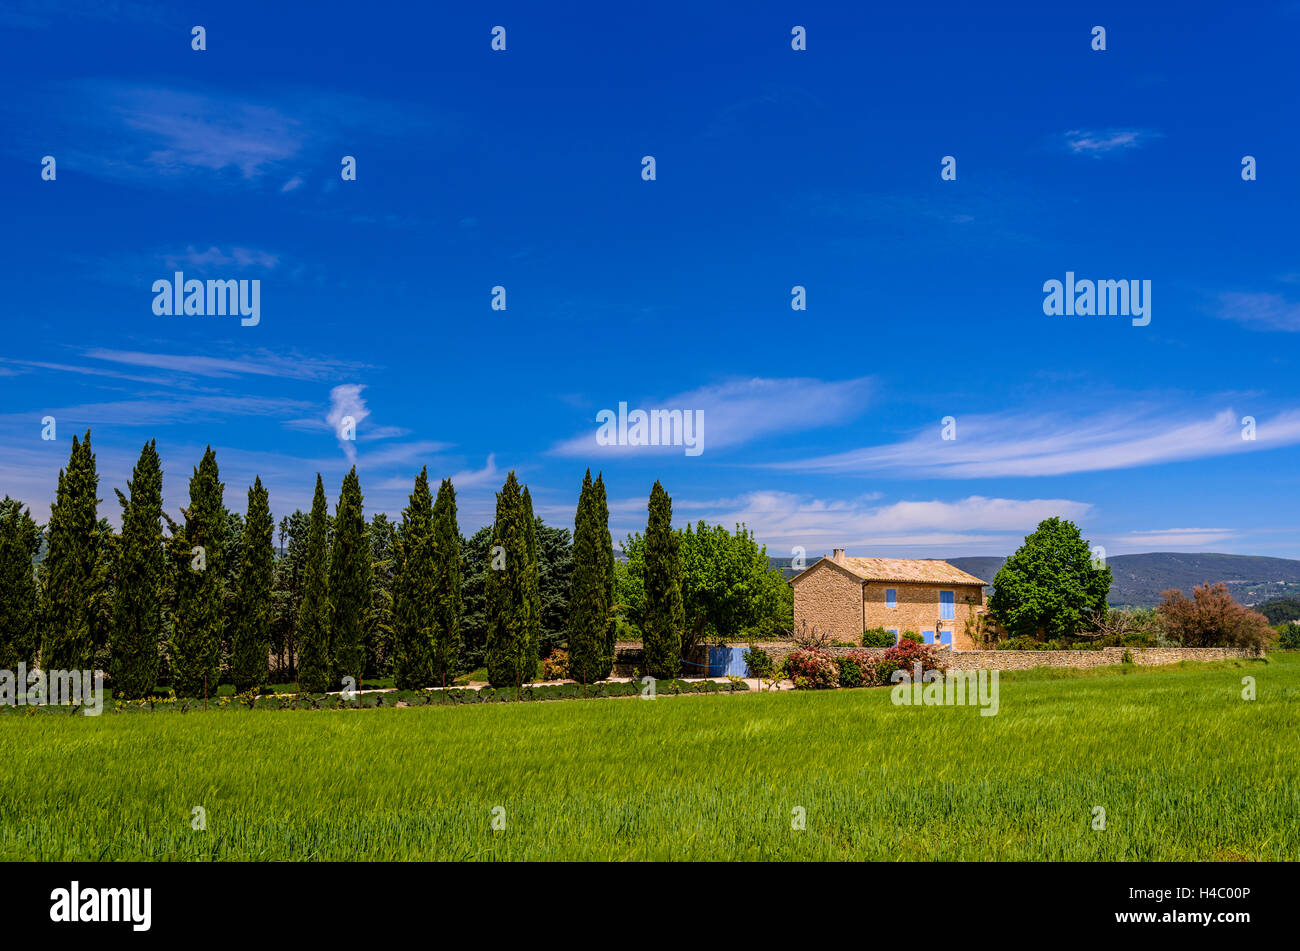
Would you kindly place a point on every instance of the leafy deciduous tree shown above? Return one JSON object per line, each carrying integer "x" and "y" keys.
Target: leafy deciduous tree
{"x": 1213, "y": 618}
{"x": 1051, "y": 586}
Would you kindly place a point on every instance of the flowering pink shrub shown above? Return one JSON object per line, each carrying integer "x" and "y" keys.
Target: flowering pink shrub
{"x": 904, "y": 656}
{"x": 811, "y": 669}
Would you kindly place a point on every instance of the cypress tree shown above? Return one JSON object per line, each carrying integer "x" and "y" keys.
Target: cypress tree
{"x": 379, "y": 622}
{"x": 531, "y": 587}
{"x": 200, "y": 585}
{"x": 349, "y": 591}
{"x": 68, "y": 635}
{"x": 415, "y": 591}
{"x": 446, "y": 577}
{"x": 588, "y": 608}
{"x": 20, "y": 538}
{"x": 251, "y": 643}
{"x": 138, "y": 602}
{"x": 664, "y": 614}
{"x": 512, "y": 590}
{"x": 315, "y": 654}
{"x": 606, "y": 543}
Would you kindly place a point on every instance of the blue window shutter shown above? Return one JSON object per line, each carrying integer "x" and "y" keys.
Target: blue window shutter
{"x": 891, "y": 597}
{"x": 945, "y": 637}
{"x": 946, "y": 605}
{"x": 928, "y": 636}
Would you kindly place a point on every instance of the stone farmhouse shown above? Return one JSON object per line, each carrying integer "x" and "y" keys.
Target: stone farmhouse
{"x": 844, "y": 596}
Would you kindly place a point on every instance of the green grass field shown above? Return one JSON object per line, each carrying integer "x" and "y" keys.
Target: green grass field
{"x": 1183, "y": 766}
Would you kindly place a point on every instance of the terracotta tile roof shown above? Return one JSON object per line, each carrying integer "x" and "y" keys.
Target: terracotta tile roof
{"x": 908, "y": 569}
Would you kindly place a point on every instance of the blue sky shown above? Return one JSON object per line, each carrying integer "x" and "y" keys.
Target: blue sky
{"x": 775, "y": 168}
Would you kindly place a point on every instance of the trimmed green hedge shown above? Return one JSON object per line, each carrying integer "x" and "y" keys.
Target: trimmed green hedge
{"x": 411, "y": 698}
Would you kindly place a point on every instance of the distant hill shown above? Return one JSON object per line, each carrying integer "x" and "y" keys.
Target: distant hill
{"x": 1280, "y": 610}
{"x": 1140, "y": 579}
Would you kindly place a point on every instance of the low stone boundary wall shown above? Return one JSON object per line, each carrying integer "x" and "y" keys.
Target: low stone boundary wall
{"x": 628, "y": 655}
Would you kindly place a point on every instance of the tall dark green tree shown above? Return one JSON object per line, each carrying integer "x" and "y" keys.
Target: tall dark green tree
{"x": 379, "y": 623}
{"x": 251, "y": 642}
{"x": 350, "y": 574}
{"x": 447, "y": 603}
{"x": 197, "y": 628}
{"x": 530, "y": 653}
{"x": 68, "y": 632}
{"x": 315, "y": 653}
{"x": 141, "y": 576}
{"x": 475, "y": 559}
{"x": 415, "y": 591}
{"x": 663, "y": 613}
{"x": 288, "y": 591}
{"x": 606, "y": 544}
{"x": 513, "y": 599}
{"x": 20, "y": 537}
{"x": 589, "y": 592}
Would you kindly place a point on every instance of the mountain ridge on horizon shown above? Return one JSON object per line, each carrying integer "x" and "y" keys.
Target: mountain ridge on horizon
{"x": 1140, "y": 579}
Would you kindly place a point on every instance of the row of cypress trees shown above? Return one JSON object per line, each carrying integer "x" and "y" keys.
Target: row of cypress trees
{"x": 169, "y": 592}
{"x": 427, "y": 588}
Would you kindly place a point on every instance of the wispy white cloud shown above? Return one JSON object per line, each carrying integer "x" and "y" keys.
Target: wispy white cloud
{"x": 1040, "y": 445}
{"x": 488, "y": 475}
{"x": 740, "y": 411}
{"x": 784, "y": 520}
{"x": 154, "y": 136}
{"x": 1166, "y": 538}
{"x": 1262, "y": 311}
{"x": 1103, "y": 143}
{"x": 259, "y": 363}
{"x": 214, "y": 258}
{"x": 150, "y": 409}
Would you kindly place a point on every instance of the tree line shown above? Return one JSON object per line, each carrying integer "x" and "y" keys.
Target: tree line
{"x": 213, "y": 598}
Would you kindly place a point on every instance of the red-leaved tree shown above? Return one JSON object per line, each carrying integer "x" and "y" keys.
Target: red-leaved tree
{"x": 1211, "y": 617}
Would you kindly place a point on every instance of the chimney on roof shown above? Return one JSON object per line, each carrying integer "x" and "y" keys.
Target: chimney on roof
{"x": 837, "y": 555}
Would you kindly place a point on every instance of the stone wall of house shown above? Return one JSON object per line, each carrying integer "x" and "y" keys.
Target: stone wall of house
{"x": 827, "y": 598}
{"x": 918, "y": 609}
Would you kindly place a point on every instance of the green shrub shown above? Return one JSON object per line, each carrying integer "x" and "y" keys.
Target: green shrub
{"x": 857, "y": 669}
{"x": 758, "y": 661}
{"x": 1288, "y": 636}
{"x": 877, "y": 637}
{"x": 912, "y": 636}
